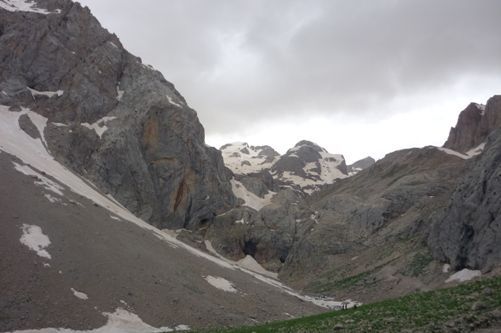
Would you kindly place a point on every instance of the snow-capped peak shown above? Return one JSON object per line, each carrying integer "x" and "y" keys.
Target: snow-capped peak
{"x": 241, "y": 158}
{"x": 24, "y": 6}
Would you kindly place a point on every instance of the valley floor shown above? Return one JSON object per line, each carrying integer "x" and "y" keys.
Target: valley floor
{"x": 471, "y": 307}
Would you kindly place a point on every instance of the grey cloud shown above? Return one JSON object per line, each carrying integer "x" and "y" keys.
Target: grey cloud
{"x": 238, "y": 61}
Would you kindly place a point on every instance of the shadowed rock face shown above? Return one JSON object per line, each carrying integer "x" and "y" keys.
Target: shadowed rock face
{"x": 468, "y": 232}
{"x": 112, "y": 119}
{"x": 474, "y": 125}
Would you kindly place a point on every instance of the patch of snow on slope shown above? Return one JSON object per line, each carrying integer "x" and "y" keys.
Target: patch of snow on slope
{"x": 241, "y": 158}
{"x": 250, "y": 199}
{"x": 120, "y": 321}
{"x": 477, "y": 150}
{"x": 49, "y": 94}
{"x": 220, "y": 283}
{"x": 79, "y": 294}
{"x": 99, "y": 126}
{"x": 251, "y": 264}
{"x": 40, "y": 179}
{"x": 171, "y": 101}
{"x": 35, "y": 240}
{"x": 120, "y": 93}
{"x": 24, "y": 6}
{"x": 454, "y": 153}
{"x": 463, "y": 275}
{"x": 247, "y": 263}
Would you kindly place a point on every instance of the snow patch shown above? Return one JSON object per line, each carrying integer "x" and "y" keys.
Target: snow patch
{"x": 24, "y": 6}
{"x": 250, "y": 199}
{"x": 120, "y": 321}
{"x": 51, "y": 198}
{"x": 446, "y": 268}
{"x": 120, "y": 94}
{"x": 49, "y": 94}
{"x": 40, "y": 179}
{"x": 35, "y": 240}
{"x": 477, "y": 150}
{"x": 464, "y": 275}
{"x": 171, "y": 101}
{"x": 99, "y": 126}
{"x": 453, "y": 152}
{"x": 220, "y": 283}
{"x": 251, "y": 264}
{"x": 79, "y": 294}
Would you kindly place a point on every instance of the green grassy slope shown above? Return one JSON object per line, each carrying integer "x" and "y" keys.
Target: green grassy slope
{"x": 464, "y": 308}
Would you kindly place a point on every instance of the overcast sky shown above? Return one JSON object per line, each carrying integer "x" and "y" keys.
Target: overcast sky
{"x": 357, "y": 77}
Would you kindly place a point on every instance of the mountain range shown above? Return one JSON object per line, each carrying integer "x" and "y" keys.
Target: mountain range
{"x": 117, "y": 216}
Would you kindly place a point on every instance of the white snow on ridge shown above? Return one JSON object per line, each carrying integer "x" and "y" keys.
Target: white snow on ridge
{"x": 241, "y": 158}
{"x": 477, "y": 150}
{"x": 250, "y": 199}
{"x": 453, "y": 152}
{"x": 35, "y": 240}
{"x": 220, "y": 283}
{"x": 24, "y": 6}
{"x": 120, "y": 321}
{"x": 463, "y": 275}
{"x": 469, "y": 154}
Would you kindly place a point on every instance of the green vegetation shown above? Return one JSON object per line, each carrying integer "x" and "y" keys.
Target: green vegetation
{"x": 418, "y": 263}
{"x": 459, "y": 309}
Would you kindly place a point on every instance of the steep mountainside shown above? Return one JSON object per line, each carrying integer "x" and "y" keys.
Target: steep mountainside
{"x": 110, "y": 117}
{"x": 74, "y": 258}
{"x": 86, "y": 130}
{"x": 467, "y": 233}
{"x": 474, "y": 125}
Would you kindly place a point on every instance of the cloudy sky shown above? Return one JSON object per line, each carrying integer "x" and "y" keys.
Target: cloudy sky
{"x": 357, "y": 77}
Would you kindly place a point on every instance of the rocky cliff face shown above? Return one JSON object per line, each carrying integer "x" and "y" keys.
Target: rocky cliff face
{"x": 467, "y": 233}
{"x": 474, "y": 125}
{"x": 110, "y": 118}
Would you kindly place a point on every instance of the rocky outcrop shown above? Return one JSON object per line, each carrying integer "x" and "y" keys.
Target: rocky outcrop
{"x": 110, "y": 118}
{"x": 360, "y": 165}
{"x": 467, "y": 233}
{"x": 474, "y": 125}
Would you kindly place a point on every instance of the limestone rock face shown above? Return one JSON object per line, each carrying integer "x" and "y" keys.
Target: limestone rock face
{"x": 112, "y": 119}
{"x": 474, "y": 125}
{"x": 467, "y": 233}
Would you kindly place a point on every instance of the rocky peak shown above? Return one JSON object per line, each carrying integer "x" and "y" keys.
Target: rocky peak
{"x": 474, "y": 124}
{"x": 360, "y": 165}
{"x": 242, "y": 158}
{"x": 308, "y": 166}
{"x": 109, "y": 117}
